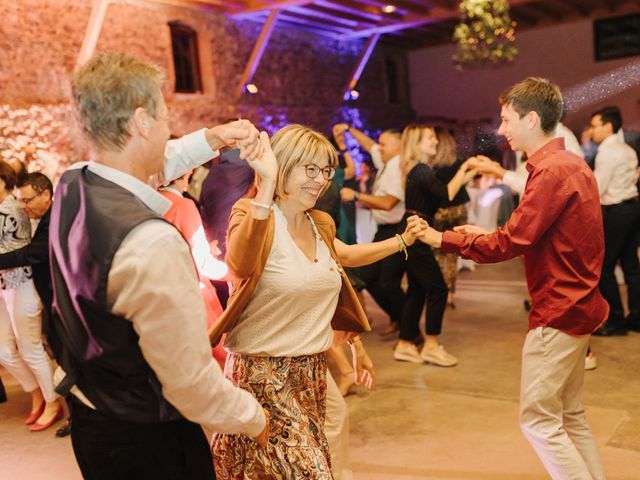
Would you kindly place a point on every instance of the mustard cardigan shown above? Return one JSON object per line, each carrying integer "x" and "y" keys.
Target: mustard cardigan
{"x": 249, "y": 243}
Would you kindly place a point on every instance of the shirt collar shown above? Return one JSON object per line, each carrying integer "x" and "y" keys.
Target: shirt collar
{"x": 554, "y": 145}
{"x": 147, "y": 195}
{"x": 610, "y": 140}
{"x": 393, "y": 160}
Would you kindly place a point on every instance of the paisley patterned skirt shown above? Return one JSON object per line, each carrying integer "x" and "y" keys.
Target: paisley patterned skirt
{"x": 293, "y": 390}
{"x": 446, "y": 219}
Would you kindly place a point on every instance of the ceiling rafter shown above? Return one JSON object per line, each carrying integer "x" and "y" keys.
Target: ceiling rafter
{"x": 363, "y": 19}
{"x": 302, "y": 19}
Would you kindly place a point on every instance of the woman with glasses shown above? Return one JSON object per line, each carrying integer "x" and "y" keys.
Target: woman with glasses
{"x": 291, "y": 302}
{"x": 21, "y": 348}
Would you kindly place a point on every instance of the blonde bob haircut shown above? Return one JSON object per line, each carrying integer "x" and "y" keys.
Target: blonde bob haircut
{"x": 446, "y": 153}
{"x": 410, "y": 154}
{"x": 107, "y": 90}
{"x": 296, "y": 145}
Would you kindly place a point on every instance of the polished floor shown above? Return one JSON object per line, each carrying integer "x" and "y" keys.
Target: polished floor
{"x": 427, "y": 422}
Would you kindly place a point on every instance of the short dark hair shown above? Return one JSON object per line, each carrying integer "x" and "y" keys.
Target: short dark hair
{"x": 538, "y": 95}
{"x": 8, "y": 176}
{"x": 393, "y": 131}
{"x": 610, "y": 115}
{"x": 21, "y": 174}
{"x": 39, "y": 182}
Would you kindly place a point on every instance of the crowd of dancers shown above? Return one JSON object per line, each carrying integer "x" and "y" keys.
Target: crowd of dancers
{"x": 121, "y": 278}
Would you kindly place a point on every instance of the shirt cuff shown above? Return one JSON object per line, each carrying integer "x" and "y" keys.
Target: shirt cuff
{"x": 198, "y": 147}
{"x": 256, "y": 428}
{"x": 452, "y": 241}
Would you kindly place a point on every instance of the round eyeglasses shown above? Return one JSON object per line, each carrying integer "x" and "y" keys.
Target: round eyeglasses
{"x": 312, "y": 170}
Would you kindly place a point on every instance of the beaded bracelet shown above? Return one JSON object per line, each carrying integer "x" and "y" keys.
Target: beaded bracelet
{"x": 261, "y": 205}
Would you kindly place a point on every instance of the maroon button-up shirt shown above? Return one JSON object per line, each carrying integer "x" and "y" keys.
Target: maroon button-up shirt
{"x": 558, "y": 229}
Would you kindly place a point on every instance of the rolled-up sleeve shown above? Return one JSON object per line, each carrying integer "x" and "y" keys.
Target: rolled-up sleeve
{"x": 186, "y": 153}
{"x": 153, "y": 283}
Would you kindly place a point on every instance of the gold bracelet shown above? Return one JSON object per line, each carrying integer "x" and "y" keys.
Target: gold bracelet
{"x": 353, "y": 340}
{"x": 261, "y": 205}
{"x": 402, "y": 247}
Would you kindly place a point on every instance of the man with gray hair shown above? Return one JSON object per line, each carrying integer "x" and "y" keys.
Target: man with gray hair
{"x": 128, "y": 313}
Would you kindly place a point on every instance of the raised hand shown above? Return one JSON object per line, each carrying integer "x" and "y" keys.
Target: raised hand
{"x": 265, "y": 165}
{"x": 239, "y": 133}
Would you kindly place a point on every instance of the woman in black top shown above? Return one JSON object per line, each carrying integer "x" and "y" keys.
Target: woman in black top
{"x": 424, "y": 194}
{"x": 451, "y": 213}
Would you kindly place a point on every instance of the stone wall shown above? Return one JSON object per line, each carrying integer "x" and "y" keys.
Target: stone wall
{"x": 300, "y": 77}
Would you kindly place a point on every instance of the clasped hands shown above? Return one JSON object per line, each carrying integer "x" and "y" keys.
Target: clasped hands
{"x": 484, "y": 165}
{"x": 254, "y": 146}
{"x": 241, "y": 134}
{"x": 433, "y": 237}
{"x": 415, "y": 228}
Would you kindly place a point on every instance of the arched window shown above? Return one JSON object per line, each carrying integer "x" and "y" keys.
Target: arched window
{"x": 186, "y": 62}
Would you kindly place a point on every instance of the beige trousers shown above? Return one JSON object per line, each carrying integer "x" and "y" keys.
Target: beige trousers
{"x": 551, "y": 413}
{"x": 336, "y": 429}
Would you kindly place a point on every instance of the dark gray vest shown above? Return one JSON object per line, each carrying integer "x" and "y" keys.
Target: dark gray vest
{"x": 97, "y": 349}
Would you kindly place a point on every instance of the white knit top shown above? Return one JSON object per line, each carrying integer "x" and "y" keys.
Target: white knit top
{"x": 290, "y": 311}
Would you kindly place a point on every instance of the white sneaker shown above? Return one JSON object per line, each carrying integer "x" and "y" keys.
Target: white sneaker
{"x": 438, "y": 356}
{"x": 407, "y": 353}
{"x": 590, "y": 361}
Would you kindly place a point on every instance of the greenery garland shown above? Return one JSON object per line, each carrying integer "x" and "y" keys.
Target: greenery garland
{"x": 485, "y": 33}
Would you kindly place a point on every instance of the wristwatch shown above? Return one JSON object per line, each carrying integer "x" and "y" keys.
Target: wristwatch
{"x": 356, "y": 196}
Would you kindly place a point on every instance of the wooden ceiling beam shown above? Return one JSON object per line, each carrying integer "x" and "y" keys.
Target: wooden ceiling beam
{"x": 257, "y": 52}
{"x": 203, "y": 5}
{"x": 298, "y": 17}
{"x": 355, "y": 8}
{"x": 403, "y": 5}
{"x": 362, "y": 19}
{"x": 92, "y": 33}
{"x": 359, "y": 68}
{"x": 328, "y": 17}
{"x": 255, "y": 7}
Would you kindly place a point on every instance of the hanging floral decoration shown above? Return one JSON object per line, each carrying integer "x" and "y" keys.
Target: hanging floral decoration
{"x": 485, "y": 33}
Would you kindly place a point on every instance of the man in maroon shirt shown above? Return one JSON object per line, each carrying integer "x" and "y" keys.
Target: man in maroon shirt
{"x": 558, "y": 229}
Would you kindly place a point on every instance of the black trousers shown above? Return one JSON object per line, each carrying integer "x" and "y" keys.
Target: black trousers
{"x": 383, "y": 278}
{"x": 107, "y": 448}
{"x": 621, "y": 234}
{"x": 426, "y": 285}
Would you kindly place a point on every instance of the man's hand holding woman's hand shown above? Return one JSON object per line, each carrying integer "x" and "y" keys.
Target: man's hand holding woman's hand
{"x": 415, "y": 227}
